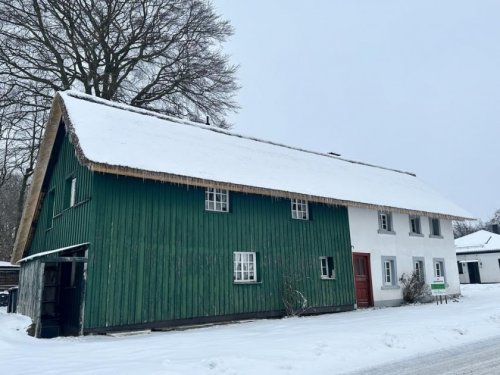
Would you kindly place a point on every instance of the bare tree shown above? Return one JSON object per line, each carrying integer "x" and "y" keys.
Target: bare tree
{"x": 164, "y": 55}
{"x": 463, "y": 228}
{"x": 159, "y": 54}
{"x": 496, "y": 218}
{"x": 21, "y": 124}
{"x": 9, "y": 193}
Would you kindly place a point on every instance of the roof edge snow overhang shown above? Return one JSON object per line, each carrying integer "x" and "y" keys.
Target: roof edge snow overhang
{"x": 478, "y": 252}
{"x": 59, "y": 112}
{"x": 194, "y": 181}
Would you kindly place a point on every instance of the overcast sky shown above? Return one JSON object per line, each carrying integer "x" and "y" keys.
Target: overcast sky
{"x": 411, "y": 85}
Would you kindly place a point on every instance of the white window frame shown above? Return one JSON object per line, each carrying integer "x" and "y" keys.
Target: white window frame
{"x": 385, "y": 222}
{"x": 418, "y": 224}
{"x": 439, "y": 268}
{"x": 217, "y": 200}
{"x": 419, "y": 267}
{"x": 51, "y": 209}
{"x": 72, "y": 193}
{"x": 389, "y": 272}
{"x": 431, "y": 228}
{"x": 300, "y": 209}
{"x": 327, "y": 268}
{"x": 244, "y": 267}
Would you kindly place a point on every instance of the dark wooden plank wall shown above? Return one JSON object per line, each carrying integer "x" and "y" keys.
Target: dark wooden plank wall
{"x": 9, "y": 277}
{"x": 30, "y": 291}
{"x": 158, "y": 255}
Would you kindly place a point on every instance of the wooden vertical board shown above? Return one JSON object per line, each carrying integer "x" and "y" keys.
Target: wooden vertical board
{"x": 30, "y": 290}
{"x": 70, "y": 224}
{"x": 59, "y": 225}
{"x": 178, "y": 263}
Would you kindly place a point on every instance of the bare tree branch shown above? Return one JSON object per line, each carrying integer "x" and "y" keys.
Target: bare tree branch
{"x": 164, "y": 55}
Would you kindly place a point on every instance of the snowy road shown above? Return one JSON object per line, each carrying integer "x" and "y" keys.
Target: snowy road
{"x": 369, "y": 341}
{"x": 479, "y": 358}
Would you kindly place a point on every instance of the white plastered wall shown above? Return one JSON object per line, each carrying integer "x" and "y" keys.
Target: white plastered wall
{"x": 489, "y": 268}
{"x": 364, "y": 225}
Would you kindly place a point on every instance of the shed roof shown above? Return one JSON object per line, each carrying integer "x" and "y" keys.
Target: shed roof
{"x": 114, "y": 138}
{"x": 7, "y": 264}
{"x": 479, "y": 241}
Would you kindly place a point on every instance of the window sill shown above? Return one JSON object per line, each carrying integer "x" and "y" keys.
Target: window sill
{"x": 76, "y": 205}
{"x": 216, "y": 211}
{"x": 80, "y": 203}
{"x": 247, "y": 282}
{"x": 435, "y": 236}
{"x": 415, "y": 234}
{"x": 382, "y": 231}
{"x": 388, "y": 287}
{"x": 328, "y": 278}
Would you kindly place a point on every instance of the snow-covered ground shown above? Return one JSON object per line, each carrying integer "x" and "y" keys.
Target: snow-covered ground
{"x": 326, "y": 344}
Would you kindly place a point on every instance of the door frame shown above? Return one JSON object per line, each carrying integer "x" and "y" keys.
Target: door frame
{"x": 367, "y": 256}
{"x": 73, "y": 256}
{"x": 476, "y": 272}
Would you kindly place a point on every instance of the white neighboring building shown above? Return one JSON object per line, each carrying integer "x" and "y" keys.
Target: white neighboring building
{"x": 478, "y": 256}
{"x": 398, "y": 243}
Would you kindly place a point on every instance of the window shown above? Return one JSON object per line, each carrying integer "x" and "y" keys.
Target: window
{"x": 439, "y": 268}
{"x": 419, "y": 268}
{"x": 388, "y": 272}
{"x": 300, "y": 209}
{"x": 389, "y": 279}
{"x": 245, "y": 267}
{"x": 327, "y": 268}
{"x": 415, "y": 225}
{"x": 435, "y": 227}
{"x": 385, "y": 222}
{"x": 50, "y": 208}
{"x": 461, "y": 267}
{"x": 70, "y": 192}
{"x": 72, "y": 195}
{"x": 498, "y": 263}
{"x": 217, "y": 200}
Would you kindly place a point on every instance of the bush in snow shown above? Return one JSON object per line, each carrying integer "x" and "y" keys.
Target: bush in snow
{"x": 294, "y": 301}
{"x": 414, "y": 288}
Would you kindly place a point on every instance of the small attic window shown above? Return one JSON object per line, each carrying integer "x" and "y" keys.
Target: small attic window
{"x": 70, "y": 192}
{"x": 50, "y": 208}
{"x": 300, "y": 209}
{"x": 435, "y": 228}
{"x": 217, "y": 200}
{"x": 385, "y": 222}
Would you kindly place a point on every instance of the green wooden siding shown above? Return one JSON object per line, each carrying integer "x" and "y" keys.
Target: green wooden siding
{"x": 155, "y": 254}
{"x": 58, "y": 225}
{"x": 158, "y": 255}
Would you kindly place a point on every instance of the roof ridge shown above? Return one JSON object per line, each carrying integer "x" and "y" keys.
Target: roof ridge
{"x": 146, "y": 112}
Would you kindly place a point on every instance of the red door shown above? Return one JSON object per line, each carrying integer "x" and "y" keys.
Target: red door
{"x": 362, "y": 279}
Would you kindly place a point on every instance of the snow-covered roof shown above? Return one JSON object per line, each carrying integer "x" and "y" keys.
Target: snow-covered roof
{"x": 479, "y": 241}
{"x": 124, "y": 136}
{"x": 113, "y": 138}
